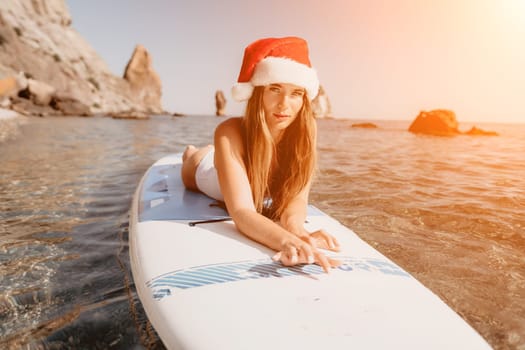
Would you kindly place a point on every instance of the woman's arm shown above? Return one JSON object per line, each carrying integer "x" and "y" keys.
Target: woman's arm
{"x": 294, "y": 217}
{"x": 236, "y": 190}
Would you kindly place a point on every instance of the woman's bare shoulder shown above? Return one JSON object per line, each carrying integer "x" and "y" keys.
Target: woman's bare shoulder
{"x": 231, "y": 124}
{"x": 231, "y": 128}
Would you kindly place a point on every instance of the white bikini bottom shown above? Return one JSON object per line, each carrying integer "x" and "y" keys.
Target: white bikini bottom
{"x": 206, "y": 177}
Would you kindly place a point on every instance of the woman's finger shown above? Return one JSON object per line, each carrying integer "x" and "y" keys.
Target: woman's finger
{"x": 334, "y": 262}
{"x": 332, "y": 243}
{"x": 306, "y": 255}
{"x": 336, "y": 242}
{"x": 323, "y": 261}
{"x": 317, "y": 257}
{"x": 310, "y": 240}
{"x": 289, "y": 256}
{"x": 326, "y": 241}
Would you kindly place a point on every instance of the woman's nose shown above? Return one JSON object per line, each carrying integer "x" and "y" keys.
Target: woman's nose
{"x": 283, "y": 100}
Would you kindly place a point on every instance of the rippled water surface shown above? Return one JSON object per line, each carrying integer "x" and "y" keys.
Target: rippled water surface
{"x": 451, "y": 211}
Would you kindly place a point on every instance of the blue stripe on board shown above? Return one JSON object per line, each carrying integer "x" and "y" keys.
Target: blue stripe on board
{"x": 199, "y": 276}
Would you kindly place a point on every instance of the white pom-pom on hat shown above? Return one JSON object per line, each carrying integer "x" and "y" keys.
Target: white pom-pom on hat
{"x": 242, "y": 91}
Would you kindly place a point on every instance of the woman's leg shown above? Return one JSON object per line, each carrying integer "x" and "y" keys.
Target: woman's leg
{"x": 191, "y": 159}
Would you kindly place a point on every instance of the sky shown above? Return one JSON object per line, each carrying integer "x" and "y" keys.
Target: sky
{"x": 376, "y": 59}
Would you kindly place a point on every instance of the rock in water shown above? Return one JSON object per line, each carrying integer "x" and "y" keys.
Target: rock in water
{"x": 220, "y": 103}
{"x": 364, "y": 125}
{"x": 475, "y": 131}
{"x": 440, "y": 122}
{"x": 144, "y": 81}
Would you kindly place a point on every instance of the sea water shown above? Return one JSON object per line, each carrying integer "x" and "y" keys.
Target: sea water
{"x": 449, "y": 210}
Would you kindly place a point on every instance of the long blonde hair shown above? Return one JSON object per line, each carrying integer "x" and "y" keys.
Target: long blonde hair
{"x": 295, "y": 154}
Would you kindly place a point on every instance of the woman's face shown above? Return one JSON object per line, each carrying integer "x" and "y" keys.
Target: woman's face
{"x": 281, "y": 103}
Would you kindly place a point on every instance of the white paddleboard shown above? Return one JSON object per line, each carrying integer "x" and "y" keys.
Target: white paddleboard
{"x": 209, "y": 287}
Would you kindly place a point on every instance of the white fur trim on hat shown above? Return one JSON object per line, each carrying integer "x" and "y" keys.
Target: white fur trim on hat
{"x": 273, "y": 70}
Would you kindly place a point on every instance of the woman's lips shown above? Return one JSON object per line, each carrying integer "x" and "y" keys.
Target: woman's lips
{"x": 281, "y": 116}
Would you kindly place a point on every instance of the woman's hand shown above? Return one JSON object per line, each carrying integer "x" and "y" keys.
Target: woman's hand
{"x": 297, "y": 251}
{"x": 323, "y": 240}
{"x": 318, "y": 239}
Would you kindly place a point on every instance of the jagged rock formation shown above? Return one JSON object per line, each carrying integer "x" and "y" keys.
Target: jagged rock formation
{"x": 36, "y": 38}
{"x": 321, "y": 104}
{"x": 440, "y": 122}
{"x": 220, "y": 103}
{"x": 144, "y": 81}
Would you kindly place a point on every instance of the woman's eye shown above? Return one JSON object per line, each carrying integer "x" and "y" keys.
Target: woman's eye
{"x": 274, "y": 89}
{"x": 298, "y": 93}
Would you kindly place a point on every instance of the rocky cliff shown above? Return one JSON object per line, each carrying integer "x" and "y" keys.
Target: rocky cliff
{"x": 321, "y": 105}
{"x": 37, "y": 39}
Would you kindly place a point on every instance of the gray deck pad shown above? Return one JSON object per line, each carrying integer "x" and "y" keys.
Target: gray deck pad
{"x": 164, "y": 197}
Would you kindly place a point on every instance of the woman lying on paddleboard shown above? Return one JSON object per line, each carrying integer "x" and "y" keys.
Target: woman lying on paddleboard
{"x": 268, "y": 153}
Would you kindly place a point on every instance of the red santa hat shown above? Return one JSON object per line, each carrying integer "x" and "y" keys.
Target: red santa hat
{"x": 276, "y": 60}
